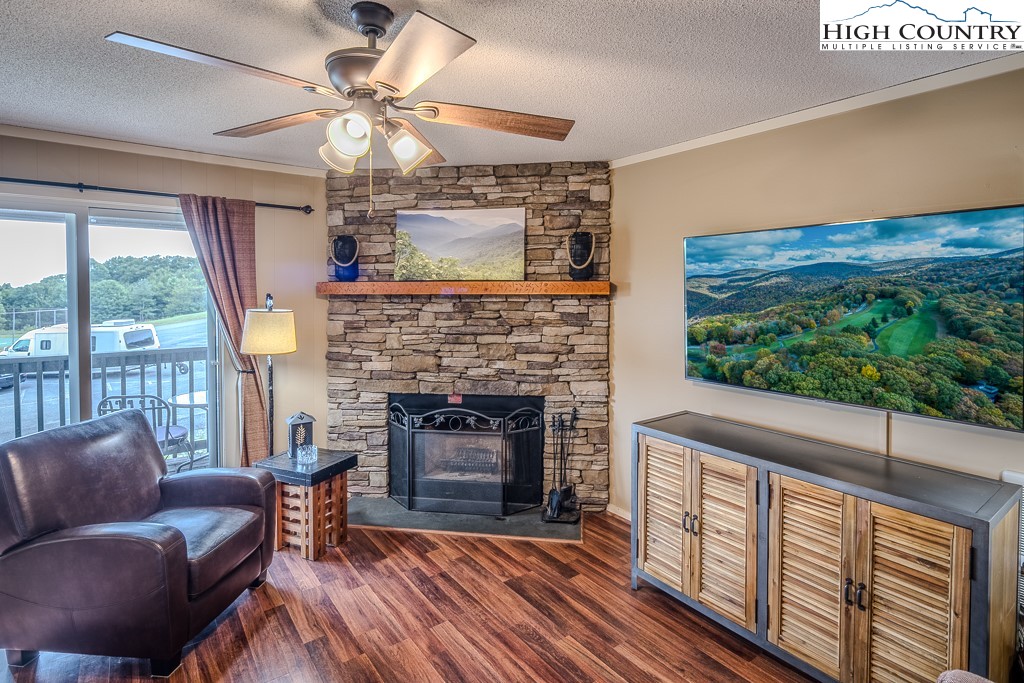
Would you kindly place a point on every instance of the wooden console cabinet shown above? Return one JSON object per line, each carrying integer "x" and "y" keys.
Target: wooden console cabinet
{"x": 851, "y": 566}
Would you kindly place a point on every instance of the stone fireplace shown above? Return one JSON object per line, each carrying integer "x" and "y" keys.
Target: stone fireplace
{"x": 550, "y": 346}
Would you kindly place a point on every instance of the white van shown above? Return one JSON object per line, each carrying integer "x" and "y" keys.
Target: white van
{"x": 111, "y": 336}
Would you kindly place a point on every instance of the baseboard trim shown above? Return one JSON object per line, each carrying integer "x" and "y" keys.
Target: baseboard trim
{"x": 619, "y": 512}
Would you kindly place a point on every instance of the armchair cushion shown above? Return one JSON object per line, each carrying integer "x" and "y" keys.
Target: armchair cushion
{"x": 225, "y": 486}
{"x": 217, "y": 539}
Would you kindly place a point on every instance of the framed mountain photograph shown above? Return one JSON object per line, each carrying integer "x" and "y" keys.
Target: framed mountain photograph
{"x": 469, "y": 244}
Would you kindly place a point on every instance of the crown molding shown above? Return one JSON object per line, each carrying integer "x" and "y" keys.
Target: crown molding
{"x": 152, "y": 150}
{"x": 973, "y": 72}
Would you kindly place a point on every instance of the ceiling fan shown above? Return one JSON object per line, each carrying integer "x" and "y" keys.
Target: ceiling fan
{"x": 373, "y": 82}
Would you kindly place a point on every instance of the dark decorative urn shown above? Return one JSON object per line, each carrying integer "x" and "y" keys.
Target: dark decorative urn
{"x": 345, "y": 257}
{"x": 580, "y": 248}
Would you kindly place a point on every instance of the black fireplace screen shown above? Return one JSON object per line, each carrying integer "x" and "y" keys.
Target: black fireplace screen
{"x": 484, "y": 456}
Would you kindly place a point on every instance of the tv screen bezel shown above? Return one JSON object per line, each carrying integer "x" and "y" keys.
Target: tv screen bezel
{"x": 771, "y": 392}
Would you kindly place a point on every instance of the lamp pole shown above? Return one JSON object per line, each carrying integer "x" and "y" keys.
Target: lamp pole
{"x": 270, "y": 389}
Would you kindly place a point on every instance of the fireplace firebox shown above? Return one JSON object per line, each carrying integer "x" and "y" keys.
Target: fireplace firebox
{"x": 471, "y": 454}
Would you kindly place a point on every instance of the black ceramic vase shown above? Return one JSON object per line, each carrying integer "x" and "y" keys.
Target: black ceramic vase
{"x": 345, "y": 256}
{"x": 580, "y": 247}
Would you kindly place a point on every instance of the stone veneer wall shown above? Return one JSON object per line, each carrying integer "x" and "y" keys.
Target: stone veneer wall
{"x": 554, "y": 346}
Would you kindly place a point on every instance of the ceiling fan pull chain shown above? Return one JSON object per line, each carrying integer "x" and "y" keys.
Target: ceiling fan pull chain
{"x": 370, "y": 212}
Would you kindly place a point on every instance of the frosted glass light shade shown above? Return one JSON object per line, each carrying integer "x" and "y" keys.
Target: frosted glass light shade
{"x": 350, "y": 133}
{"x": 268, "y": 333}
{"x": 337, "y": 160}
{"x": 407, "y": 150}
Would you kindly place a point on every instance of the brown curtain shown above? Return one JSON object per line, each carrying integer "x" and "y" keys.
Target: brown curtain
{"x": 223, "y": 232}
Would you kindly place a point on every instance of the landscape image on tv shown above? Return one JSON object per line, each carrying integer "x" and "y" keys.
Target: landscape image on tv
{"x": 922, "y": 314}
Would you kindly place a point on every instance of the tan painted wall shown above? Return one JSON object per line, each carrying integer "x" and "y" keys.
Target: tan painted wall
{"x": 957, "y": 148}
{"x": 290, "y": 245}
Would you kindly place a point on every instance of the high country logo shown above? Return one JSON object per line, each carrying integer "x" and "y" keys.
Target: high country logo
{"x": 958, "y": 25}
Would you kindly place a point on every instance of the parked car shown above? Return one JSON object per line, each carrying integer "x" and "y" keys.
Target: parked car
{"x": 6, "y": 381}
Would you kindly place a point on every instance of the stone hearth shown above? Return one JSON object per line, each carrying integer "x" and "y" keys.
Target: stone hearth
{"x": 551, "y": 346}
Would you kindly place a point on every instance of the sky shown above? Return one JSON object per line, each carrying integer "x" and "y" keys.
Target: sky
{"x": 967, "y": 233}
{"x": 29, "y": 251}
{"x": 485, "y": 218}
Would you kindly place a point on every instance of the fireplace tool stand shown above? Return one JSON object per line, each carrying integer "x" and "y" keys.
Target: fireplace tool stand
{"x": 563, "y": 506}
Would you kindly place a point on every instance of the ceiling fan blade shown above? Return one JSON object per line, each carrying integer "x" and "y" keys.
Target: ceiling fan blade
{"x": 547, "y": 127}
{"x": 270, "y": 125}
{"x": 211, "y": 60}
{"x": 424, "y": 47}
{"x": 435, "y": 156}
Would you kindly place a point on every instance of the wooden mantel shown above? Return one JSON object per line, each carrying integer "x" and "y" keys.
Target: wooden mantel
{"x": 467, "y": 287}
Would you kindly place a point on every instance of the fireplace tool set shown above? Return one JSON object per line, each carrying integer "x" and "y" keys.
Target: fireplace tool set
{"x": 563, "y": 505}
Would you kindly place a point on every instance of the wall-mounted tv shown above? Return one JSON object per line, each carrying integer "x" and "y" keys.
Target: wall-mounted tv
{"x": 916, "y": 314}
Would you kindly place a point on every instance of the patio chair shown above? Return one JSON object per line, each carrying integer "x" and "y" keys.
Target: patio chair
{"x": 171, "y": 437}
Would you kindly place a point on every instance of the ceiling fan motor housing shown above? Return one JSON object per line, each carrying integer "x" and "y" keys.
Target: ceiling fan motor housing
{"x": 349, "y": 68}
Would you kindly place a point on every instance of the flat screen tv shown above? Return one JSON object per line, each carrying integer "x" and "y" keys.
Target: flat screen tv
{"x": 916, "y": 314}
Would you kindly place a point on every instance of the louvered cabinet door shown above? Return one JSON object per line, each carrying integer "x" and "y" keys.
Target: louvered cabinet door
{"x": 810, "y": 558}
{"x": 723, "y": 561}
{"x": 916, "y": 595}
{"x": 663, "y": 478}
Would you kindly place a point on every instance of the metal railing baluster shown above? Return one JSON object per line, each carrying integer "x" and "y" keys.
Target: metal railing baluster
{"x": 16, "y": 391}
{"x": 39, "y": 397}
{"x": 62, "y": 393}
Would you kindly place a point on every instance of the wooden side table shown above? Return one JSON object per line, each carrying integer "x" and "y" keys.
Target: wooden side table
{"x": 312, "y": 500}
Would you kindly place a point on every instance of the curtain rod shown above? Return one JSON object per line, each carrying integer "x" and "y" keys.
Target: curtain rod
{"x": 82, "y": 187}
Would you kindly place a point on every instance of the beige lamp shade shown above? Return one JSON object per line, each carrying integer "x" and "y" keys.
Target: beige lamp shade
{"x": 268, "y": 332}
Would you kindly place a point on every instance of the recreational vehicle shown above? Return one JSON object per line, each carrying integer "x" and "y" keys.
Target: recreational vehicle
{"x": 111, "y": 336}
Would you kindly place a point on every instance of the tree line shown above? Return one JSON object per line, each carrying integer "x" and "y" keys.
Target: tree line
{"x": 144, "y": 288}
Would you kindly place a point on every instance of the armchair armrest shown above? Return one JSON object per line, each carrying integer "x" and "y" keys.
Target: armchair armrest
{"x": 68, "y": 587}
{"x": 218, "y": 486}
{"x": 227, "y": 486}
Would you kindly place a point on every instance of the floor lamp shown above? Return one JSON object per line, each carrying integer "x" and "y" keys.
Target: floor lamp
{"x": 269, "y": 332}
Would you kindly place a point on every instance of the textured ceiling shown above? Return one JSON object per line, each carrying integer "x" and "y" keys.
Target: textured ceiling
{"x": 636, "y": 75}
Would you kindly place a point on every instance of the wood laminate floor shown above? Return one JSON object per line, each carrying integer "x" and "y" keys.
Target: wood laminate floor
{"x": 414, "y": 607}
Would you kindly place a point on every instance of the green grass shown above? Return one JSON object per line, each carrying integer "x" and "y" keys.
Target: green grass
{"x": 184, "y": 318}
{"x": 905, "y": 337}
{"x": 876, "y": 310}
{"x": 908, "y": 337}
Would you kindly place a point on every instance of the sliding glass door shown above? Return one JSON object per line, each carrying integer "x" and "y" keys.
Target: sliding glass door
{"x": 105, "y": 309}
{"x": 152, "y": 339}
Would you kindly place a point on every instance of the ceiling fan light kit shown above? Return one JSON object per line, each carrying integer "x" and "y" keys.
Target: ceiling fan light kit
{"x": 373, "y": 81}
{"x": 336, "y": 160}
{"x": 408, "y": 151}
{"x": 350, "y": 133}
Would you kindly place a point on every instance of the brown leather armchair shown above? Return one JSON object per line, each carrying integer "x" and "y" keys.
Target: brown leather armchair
{"x": 102, "y": 553}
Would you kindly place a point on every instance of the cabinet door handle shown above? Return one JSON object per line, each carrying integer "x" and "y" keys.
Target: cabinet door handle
{"x": 695, "y": 525}
{"x": 846, "y": 592}
{"x": 686, "y": 520}
{"x": 860, "y": 597}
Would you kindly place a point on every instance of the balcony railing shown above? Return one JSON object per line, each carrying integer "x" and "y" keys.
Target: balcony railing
{"x": 40, "y": 397}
